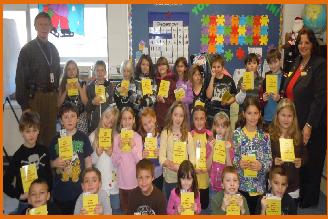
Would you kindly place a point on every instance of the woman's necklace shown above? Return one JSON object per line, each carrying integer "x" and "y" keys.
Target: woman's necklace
{"x": 304, "y": 63}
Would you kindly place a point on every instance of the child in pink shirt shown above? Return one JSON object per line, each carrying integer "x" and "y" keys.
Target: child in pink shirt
{"x": 187, "y": 182}
{"x": 125, "y": 161}
{"x": 221, "y": 131}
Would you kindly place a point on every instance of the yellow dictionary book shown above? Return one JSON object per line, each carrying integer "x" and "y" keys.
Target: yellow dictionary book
{"x": 199, "y": 103}
{"x": 105, "y": 138}
{"x": 226, "y": 96}
{"x": 126, "y": 136}
{"x": 287, "y": 150}
{"x": 42, "y": 210}
{"x": 28, "y": 174}
{"x": 146, "y": 87}
{"x": 219, "y": 153}
{"x": 179, "y": 94}
{"x": 273, "y": 205}
{"x": 187, "y": 202}
{"x": 248, "y": 172}
{"x": 72, "y": 87}
{"x": 248, "y": 80}
{"x": 90, "y": 201}
{"x": 65, "y": 146}
{"x": 151, "y": 146}
{"x": 164, "y": 88}
{"x": 233, "y": 208}
{"x": 125, "y": 84}
{"x": 179, "y": 152}
{"x": 271, "y": 83}
{"x": 100, "y": 91}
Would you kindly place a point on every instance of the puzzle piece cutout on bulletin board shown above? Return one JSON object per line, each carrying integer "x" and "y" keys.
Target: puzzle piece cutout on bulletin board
{"x": 204, "y": 30}
{"x": 227, "y": 30}
{"x": 212, "y": 40}
{"x": 257, "y": 20}
{"x": 234, "y": 20}
{"x": 257, "y": 30}
{"x": 242, "y": 30}
{"x": 249, "y": 30}
{"x": 205, "y": 20}
{"x": 256, "y": 40}
{"x": 203, "y": 48}
{"x": 220, "y": 30}
{"x": 249, "y": 20}
{"x": 213, "y": 20}
{"x": 204, "y": 39}
{"x": 264, "y": 30}
{"x": 242, "y": 20}
{"x": 234, "y": 29}
{"x": 228, "y": 55}
{"x": 234, "y": 39}
{"x": 212, "y": 30}
{"x": 228, "y": 20}
{"x": 264, "y": 20}
{"x": 219, "y": 39}
{"x": 241, "y": 40}
{"x": 227, "y": 40}
{"x": 220, "y": 20}
{"x": 249, "y": 40}
{"x": 211, "y": 49}
{"x": 240, "y": 53}
{"x": 264, "y": 40}
{"x": 220, "y": 49}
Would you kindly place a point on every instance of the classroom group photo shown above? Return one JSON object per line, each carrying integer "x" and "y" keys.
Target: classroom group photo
{"x": 215, "y": 110}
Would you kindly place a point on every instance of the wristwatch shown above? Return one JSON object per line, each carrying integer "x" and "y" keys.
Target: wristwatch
{"x": 308, "y": 125}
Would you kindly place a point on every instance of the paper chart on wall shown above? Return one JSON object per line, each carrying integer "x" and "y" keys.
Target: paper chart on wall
{"x": 168, "y": 35}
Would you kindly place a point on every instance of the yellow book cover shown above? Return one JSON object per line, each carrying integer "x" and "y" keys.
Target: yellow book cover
{"x": 164, "y": 88}
{"x": 42, "y": 210}
{"x": 273, "y": 206}
{"x": 233, "y": 208}
{"x": 226, "y": 96}
{"x": 199, "y": 103}
{"x": 90, "y": 201}
{"x": 287, "y": 149}
{"x": 126, "y": 136}
{"x": 28, "y": 174}
{"x": 100, "y": 91}
{"x": 105, "y": 138}
{"x": 187, "y": 202}
{"x": 271, "y": 83}
{"x": 248, "y": 80}
{"x": 146, "y": 87}
{"x": 72, "y": 87}
{"x": 151, "y": 146}
{"x": 125, "y": 84}
{"x": 219, "y": 153}
{"x": 179, "y": 94}
{"x": 179, "y": 152}
{"x": 65, "y": 146}
{"x": 248, "y": 172}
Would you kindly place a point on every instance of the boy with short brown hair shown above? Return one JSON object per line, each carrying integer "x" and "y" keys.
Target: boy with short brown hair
{"x": 146, "y": 199}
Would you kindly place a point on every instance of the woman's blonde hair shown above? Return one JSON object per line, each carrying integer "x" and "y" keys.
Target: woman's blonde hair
{"x": 109, "y": 110}
{"x": 293, "y": 131}
{"x": 169, "y": 122}
{"x": 226, "y": 122}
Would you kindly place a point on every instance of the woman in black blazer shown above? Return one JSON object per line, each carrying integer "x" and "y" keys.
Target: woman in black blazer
{"x": 306, "y": 86}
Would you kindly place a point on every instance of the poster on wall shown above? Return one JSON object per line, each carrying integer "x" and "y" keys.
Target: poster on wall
{"x": 168, "y": 35}
{"x": 66, "y": 19}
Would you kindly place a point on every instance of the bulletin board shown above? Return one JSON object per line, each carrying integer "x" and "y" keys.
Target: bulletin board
{"x": 230, "y": 30}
